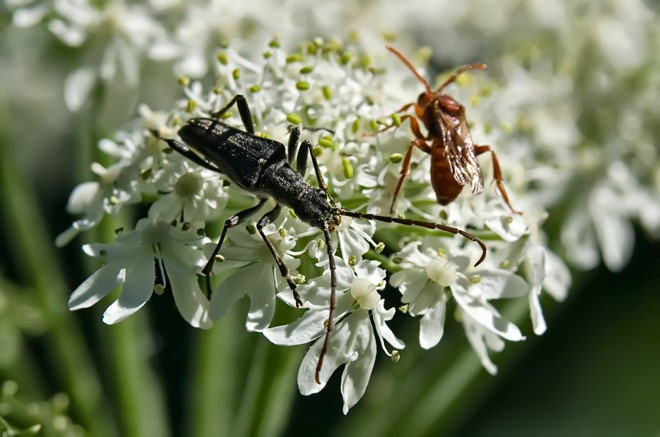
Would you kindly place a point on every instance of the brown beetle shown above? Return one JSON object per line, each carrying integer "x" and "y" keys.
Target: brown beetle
{"x": 453, "y": 153}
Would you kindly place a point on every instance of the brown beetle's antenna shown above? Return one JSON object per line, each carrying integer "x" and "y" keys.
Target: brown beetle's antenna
{"x": 409, "y": 65}
{"x": 460, "y": 71}
{"x": 333, "y": 287}
{"x": 427, "y": 225}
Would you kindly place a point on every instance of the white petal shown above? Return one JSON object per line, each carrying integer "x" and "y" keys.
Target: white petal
{"x": 126, "y": 57}
{"x": 474, "y": 335}
{"x": 69, "y": 35}
{"x": 356, "y": 375}
{"x": 77, "y": 87}
{"x": 535, "y": 264}
{"x": 96, "y": 287}
{"x": 82, "y": 197}
{"x": 28, "y": 17}
{"x": 486, "y": 316}
{"x": 65, "y": 237}
{"x": 225, "y": 294}
{"x": 498, "y": 284}
{"x": 136, "y": 291}
{"x": 432, "y": 324}
{"x": 509, "y": 227}
{"x": 579, "y": 240}
{"x": 557, "y": 277}
{"x": 188, "y": 297}
{"x": 307, "y": 328}
{"x": 538, "y": 322}
{"x": 614, "y": 231}
{"x": 262, "y": 299}
{"x": 380, "y": 316}
{"x": 335, "y": 357}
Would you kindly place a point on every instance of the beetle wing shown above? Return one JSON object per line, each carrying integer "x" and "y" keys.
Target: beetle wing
{"x": 460, "y": 154}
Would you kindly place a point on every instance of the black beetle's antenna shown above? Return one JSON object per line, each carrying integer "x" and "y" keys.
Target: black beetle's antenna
{"x": 331, "y": 313}
{"x": 428, "y": 225}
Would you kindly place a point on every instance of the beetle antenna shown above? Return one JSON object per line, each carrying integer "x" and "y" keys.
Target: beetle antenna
{"x": 331, "y": 313}
{"x": 409, "y": 65}
{"x": 428, "y": 225}
{"x": 460, "y": 71}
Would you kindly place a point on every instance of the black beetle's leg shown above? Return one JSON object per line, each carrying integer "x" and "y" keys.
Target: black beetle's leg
{"x": 267, "y": 219}
{"x": 301, "y": 162}
{"x": 317, "y": 170}
{"x": 294, "y": 136}
{"x": 185, "y": 151}
{"x": 229, "y": 223}
{"x": 331, "y": 313}
{"x": 243, "y": 110}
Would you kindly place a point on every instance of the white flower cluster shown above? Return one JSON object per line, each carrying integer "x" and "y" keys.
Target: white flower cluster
{"x": 580, "y": 98}
{"x": 340, "y": 103}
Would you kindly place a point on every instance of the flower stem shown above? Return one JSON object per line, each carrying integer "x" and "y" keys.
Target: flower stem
{"x": 140, "y": 400}
{"x": 32, "y": 246}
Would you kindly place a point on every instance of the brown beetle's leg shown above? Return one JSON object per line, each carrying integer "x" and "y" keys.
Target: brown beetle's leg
{"x": 405, "y": 167}
{"x": 264, "y": 221}
{"x": 497, "y": 174}
{"x": 404, "y": 108}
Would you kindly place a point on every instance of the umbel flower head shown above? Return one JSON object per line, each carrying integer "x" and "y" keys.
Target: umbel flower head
{"x": 340, "y": 103}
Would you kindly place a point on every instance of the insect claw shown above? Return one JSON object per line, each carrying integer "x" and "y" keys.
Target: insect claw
{"x": 296, "y": 296}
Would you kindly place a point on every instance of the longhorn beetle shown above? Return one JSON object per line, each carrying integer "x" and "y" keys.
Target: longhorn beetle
{"x": 263, "y": 167}
{"x": 453, "y": 153}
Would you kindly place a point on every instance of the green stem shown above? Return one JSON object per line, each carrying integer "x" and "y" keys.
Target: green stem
{"x": 215, "y": 378}
{"x": 139, "y": 396}
{"x": 38, "y": 264}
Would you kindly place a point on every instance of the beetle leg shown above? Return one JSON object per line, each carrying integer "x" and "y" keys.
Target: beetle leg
{"x": 497, "y": 174}
{"x": 185, "y": 151}
{"x": 405, "y": 167}
{"x": 317, "y": 170}
{"x": 293, "y": 144}
{"x": 267, "y": 219}
{"x": 243, "y": 110}
{"x": 232, "y": 221}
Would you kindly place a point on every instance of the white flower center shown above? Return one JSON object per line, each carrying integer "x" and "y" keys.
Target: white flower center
{"x": 365, "y": 293}
{"x": 156, "y": 233}
{"x": 189, "y": 184}
{"x": 441, "y": 271}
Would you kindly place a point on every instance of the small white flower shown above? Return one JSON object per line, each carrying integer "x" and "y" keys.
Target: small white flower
{"x": 353, "y": 342}
{"x": 427, "y": 278}
{"x": 257, "y": 273}
{"x": 129, "y": 263}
